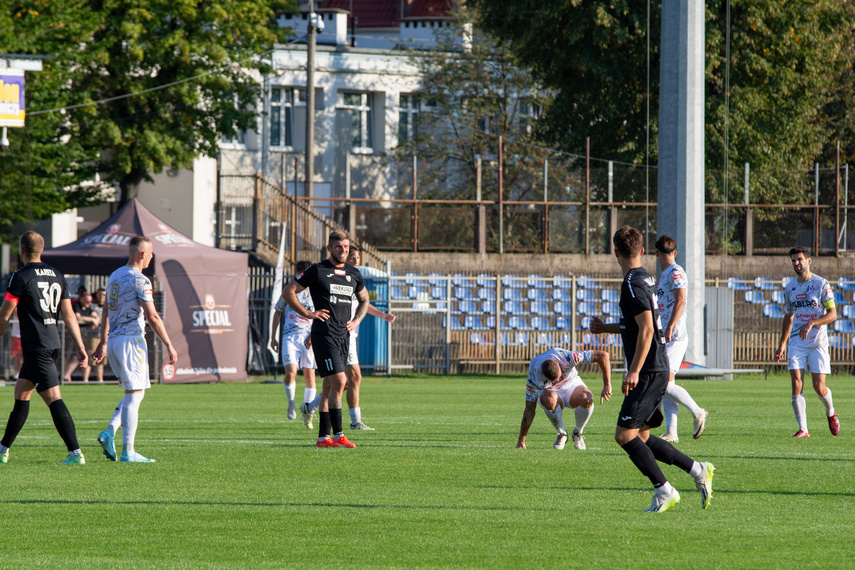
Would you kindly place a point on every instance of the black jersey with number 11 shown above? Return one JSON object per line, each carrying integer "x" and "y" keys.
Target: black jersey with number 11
{"x": 38, "y": 288}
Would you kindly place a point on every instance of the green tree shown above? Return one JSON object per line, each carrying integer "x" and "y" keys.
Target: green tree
{"x": 114, "y": 51}
{"x": 782, "y": 72}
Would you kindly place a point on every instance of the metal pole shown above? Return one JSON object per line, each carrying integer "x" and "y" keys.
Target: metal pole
{"x": 389, "y": 310}
{"x": 545, "y": 233}
{"x": 310, "y": 101}
{"x": 846, "y": 202}
{"x": 415, "y": 223}
{"x": 501, "y": 205}
{"x": 816, "y": 238}
{"x": 749, "y": 214}
{"x": 837, "y": 201}
{"x": 588, "y": 196}
{"x": 265, "y": 127}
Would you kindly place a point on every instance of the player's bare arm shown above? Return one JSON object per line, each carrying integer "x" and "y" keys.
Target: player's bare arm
{"x": 274, "y": 331}
{"x": 601, "y": 358}
{"x": 829, "y": 317}
{"x": 361, "y": 310}
{"x": 159, "y": 329}
{"x": 6, "y": 311}
{"x": 290, "y": 295}
{"x": 527, "y": 419}
{"x": 786, "y": 327}
{"x": 644, "y": 320}
{"x": 679, "y": 307}
{"x": 70, "y": 320}
{"x": 375, "y": 312}
{"x": 599, "y": 327}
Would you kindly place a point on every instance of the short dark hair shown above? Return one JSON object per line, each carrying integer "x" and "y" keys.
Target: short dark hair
{"x": 301, "y": 266}
{"x": 666, "y": 244}
{"x": 627, "y": 241}
{"x": 800, "y": 249}
{"x": 550, "y": 369}
{"x": 355, "y": 247}
{"x": 136, "y": 241}
{"x": 338, "y": 235}
{"x": 32, "y": 242}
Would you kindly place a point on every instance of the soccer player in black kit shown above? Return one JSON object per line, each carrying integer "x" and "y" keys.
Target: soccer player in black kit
{"x": 332, "y": 284}
{"x": 646, "y": 378}
{"x": 40, "y": 294}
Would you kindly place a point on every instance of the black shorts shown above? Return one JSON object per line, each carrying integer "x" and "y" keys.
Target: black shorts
{"x": 641, "y": 407}
{"x": 330, "y": 353}
{"x": 41, "y": 368}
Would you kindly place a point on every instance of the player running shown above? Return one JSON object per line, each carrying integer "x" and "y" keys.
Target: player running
{"x": 809, "y": 309}
{"x": 554, "y": 384}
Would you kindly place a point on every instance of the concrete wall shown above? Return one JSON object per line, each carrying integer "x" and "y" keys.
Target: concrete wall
{"x": 606, "y": 265}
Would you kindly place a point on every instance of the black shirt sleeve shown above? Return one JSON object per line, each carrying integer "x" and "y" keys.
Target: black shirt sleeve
{"x": 307, "y": 277}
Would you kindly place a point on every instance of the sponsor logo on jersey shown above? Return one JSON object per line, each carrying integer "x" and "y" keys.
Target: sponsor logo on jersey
{"x": 808, "y": 303}
{"x": 348, "y": 278}
{"x": 340, "y": 272}
{"x": 341, "y": 289}
{"x": 802, "y": 296}
{"x": 649, "y": 281}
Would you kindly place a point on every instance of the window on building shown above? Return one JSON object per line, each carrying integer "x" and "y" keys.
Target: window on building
{"x": 238, "y": 138}
{"x": 359, "y": 108}
{"x": 408, "y": 117}
{"x": 529, "y": 114}
{"x": 283, "y": 102}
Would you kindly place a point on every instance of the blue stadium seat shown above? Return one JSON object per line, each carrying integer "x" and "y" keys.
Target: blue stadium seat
{"x": 439, "y": 305}
{"x": 512, "y": 295}
{"x": 773, "y": 311}
{"x": 469, "y": 307}
{"x": 486, "y": 280}
{"x": 543, "y": 339}
{"x": 563, "y": 323}
{"x": 419, "y": 293}
{"x": 839, "y": 298}
{"x": 474, "y": 324}
{"x": 610, "y": 295}
{"x": 584, "y": 324}
{"x": 462, "y": 280}
{"x": 612, "y": 320}
{"x": 593, "y": 340}
{"x": 512, "y": 282}
{"x": 463, "y": 293}
{"x": 588, "y": 282}
{"x": 562, "y": 295}
{"x": 587, "y": 309}
{"x": 563, "y": 308}
{"x": 561, "y": 282}
{"x": 398, "y": 294}
{"x": 614, "y": 340}
{"x": 540, "y": 308}
{"x": 514, "y": 339}
{"x": 478, "y": 338}
{"x": 518, "y": 323}
{"x": 588, "y": 295}
{"x": 846, "y": 284}
{"x": 412, "y": 278}
{"x": 738, "y": 284}
{"x": 611, "y": 309}
{"x": 437, "y": 292}
{"x": 490, "y": 323}
{"x": 849, "y": 311}
{"x": 488, "y": 307}
{"x": 538, "y": 281}
{"x": 537, "y": 295}
{"x": 755, "y": 297}
{"x": 785, "y": 280}
{"x": 487, "y": 294}
{"x": 765, "y": 284}
{"x": 540, "y": 324}
{"x": 838, "y": 341}
{"x": 437, "y": 280}
{"x": 844, "y": 327}
{"x": 512, "y": 307}
{"x": 778, "y": 297}
{"x": 454, "y": 323}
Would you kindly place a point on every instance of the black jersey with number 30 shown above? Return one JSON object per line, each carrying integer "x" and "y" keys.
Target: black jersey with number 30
{"x": 38, "y": 288}
{"x": 332, "y": 288}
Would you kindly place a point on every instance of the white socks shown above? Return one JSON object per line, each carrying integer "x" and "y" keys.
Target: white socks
{"x": 316, "y": 402}
{"x": 697, "y": 470}
{"x": 309, "y": 394}
{"x": 556, "y": 417}
{"x": 291, "y": 390}
{"x": 116, "y": 420}
{"x": 355, "y": 415}
{"x": 826, "y": 400}
{"x": 130, "y": 412}
{"x": 670, "y": 409}
{"x": 682, "y": 397}
{"x": 799, "y": 409}
{"x": 582, "y": 417}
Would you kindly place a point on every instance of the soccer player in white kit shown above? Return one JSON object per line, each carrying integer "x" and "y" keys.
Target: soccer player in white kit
{"x": 672, "y": 295}
{"x": 129, "y": 303}
{"x": 295, "y": 347}
{"x": 554, "y": 384}
{"x": 809, "y": 308}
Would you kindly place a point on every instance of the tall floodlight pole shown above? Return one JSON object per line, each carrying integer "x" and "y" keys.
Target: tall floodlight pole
{"x": 680, "y": 206}
{"x": 310, "y": 101}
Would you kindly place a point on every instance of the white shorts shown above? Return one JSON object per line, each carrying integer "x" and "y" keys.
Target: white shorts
{"x": 565, "y": 392}
{"x": 809, "y": 354}
{"x": 676, "y": 350}
{"x": 128, "y": 357}
{"x": 352, "y": 352}
{"x": 294, "y": 351}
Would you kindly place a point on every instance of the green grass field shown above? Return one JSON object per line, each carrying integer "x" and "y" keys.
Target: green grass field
{"x": 439, "y": 484}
